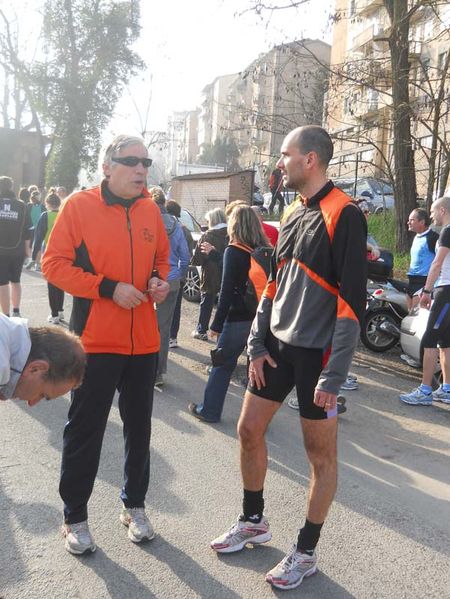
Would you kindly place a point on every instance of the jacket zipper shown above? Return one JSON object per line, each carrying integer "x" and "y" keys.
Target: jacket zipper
{"x": 132, "y": 274}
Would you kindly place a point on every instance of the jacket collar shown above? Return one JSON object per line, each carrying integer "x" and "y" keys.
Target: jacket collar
{"x": 316, "y": 198}
{"x": 110, "y": 198}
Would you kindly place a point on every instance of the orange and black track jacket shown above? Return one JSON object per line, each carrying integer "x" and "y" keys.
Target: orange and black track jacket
{"x": 97, "y": 241}
{"x": 316, "y": 293}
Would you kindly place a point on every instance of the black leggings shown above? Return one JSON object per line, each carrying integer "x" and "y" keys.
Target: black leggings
{"x": 55, "y": 299}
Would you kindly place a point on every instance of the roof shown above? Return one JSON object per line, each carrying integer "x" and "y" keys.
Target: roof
{"x": 218, "y": 175}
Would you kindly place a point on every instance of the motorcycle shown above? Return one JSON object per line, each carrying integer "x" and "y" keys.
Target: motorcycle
{"x": 386, "y": 308}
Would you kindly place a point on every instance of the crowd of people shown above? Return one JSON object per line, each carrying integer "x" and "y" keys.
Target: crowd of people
{"x": 121, "y": 251}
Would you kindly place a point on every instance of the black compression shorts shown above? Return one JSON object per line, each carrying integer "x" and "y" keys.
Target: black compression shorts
{"x": 416, "y": 282}
{"x": 11, "y": 269}
{"x": 438, "y": 326}
{"x": 296, "y": 366}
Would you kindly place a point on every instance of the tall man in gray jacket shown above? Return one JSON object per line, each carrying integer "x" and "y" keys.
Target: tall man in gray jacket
{"x": 303, "y": 336}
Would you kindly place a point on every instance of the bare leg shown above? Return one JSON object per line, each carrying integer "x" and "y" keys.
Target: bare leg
{"x": 445, "y": 364}
{"x": 320, "y": 438}
{"x": 256, "y": 416}
{"x": 4, "y": 298}
{"x": 16, "y": 294}
{"x": 430, "y": 357}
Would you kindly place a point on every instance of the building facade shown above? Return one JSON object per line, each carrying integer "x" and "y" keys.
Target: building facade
{"x": 359, "y": 101}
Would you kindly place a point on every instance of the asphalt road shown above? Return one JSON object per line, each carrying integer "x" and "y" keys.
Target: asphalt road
{"x": 387, "y": 535}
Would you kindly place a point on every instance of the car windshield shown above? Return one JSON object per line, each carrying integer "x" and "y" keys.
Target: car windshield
{"x": 189, "y": 221}
{"x": 382, "y": 187}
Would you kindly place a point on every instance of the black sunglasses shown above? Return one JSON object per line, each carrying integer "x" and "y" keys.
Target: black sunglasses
{"x": 133, "y": 161}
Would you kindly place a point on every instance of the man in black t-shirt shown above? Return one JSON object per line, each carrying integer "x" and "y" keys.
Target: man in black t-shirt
{"x": 15, "y": 234}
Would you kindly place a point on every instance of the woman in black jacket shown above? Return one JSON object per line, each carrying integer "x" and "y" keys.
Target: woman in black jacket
{"x": 233, "y": 317}
{"x": 208, "y": 254}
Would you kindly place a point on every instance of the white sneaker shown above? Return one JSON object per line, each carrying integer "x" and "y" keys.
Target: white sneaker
{"x": 61, "y": 315}
{"x": 292, "y": 569}
{"x": 53, "y": 319}
{"x": 139, "y": 527}
{"x": 78, "y": 538}
{"x": 173, "y": 343}
{"x": 241, "y": 533}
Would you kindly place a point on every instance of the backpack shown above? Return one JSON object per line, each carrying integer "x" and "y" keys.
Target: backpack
{"x": 258, "y": 273}
{"x": 170, "y": 223}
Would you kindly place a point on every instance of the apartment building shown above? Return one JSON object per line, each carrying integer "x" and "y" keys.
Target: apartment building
{"x": 182, "y": 142}
{"x": 281, "y": 89}
{"x": 212, "y": 117}
{"x": 359, "y": 101}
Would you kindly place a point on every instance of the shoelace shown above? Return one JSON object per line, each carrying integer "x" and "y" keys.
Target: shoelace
{"x": 293, "y": 559}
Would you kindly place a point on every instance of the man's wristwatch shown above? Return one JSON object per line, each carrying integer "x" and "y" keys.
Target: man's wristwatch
{"x": 427, "y": 291}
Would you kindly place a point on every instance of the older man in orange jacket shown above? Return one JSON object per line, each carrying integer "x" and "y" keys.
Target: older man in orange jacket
{"x": 109, "y": 249}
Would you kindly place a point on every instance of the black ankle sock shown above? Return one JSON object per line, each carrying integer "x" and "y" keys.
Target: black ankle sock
{"x": 253, "y": 506}
{"x": 308, "y": 537}
{"x": 16, "y": 311}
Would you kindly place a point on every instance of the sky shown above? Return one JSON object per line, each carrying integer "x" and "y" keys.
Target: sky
{"x": 187, "y": 44}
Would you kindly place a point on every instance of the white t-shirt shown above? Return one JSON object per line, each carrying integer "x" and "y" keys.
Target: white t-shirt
{"x": 15, "y": 348}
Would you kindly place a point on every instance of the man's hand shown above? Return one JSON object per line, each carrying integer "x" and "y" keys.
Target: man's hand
{"x": 158, "y": 289}
{"x": 425, "y": 300}
{"x": 325, "y": 400}
{"x": 256, "y": 370}
{"x": 127, "y": 296}
{"x": 213, "y": 334}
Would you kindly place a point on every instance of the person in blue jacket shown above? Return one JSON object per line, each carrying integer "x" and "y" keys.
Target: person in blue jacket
{"x": 179, "y": 262}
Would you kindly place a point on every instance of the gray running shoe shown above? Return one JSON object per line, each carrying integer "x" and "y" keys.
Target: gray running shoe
{"x": 349, "y": 384}
{"x": 241, "y": 533}
{"x": 139, "y": 527}
{"x": 417, "y": 397}
{"x": 292, "y": 569}
{"x": 78, "y": 538}
{"x": 441, "y": 395}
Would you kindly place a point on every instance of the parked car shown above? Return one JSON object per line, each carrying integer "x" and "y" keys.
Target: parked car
{"x": 378, "y": 193}
{"x": 191, "y": 289}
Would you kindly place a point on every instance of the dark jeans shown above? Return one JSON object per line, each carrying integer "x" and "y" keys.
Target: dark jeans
{"x": 232, "y": 340}
{"x": 277, "y": 197}
{"x": 206, "y": 306}
{"x": 133, "y": 377}
{"x": 175, "y": 327}
{"x": 55, "y": 299}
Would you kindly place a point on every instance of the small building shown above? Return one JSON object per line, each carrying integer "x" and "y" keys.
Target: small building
{"x": 202, "y": 192}
{"x": 22, "y": 156}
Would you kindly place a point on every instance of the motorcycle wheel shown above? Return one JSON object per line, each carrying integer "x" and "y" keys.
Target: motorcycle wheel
{"x": 371, "y": 337}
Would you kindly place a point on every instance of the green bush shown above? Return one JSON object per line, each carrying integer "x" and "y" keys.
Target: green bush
{"x": 382, "y": 228}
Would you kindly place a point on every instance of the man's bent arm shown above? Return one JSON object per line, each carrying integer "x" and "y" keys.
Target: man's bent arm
{"x": 350, "y": 265}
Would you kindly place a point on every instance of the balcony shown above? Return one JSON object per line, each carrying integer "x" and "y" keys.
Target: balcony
{"x": 365, "y": 7}
{"x": 365, "y": 37}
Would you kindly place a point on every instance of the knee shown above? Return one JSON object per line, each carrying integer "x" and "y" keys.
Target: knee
{"x": 323, "y": 462}
{"x": 249, "y": 436}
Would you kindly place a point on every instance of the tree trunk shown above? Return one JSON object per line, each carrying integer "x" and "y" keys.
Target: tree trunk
{"x": 405, "y": 176}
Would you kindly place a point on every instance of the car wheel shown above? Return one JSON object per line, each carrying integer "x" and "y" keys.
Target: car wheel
{"x": 191, "y": 289}
{"x": 371, "y": 335}
{"x": 379, "y": 210}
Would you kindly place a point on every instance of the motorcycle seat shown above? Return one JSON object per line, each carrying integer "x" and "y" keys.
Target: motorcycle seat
{"x": 401, "y": 286}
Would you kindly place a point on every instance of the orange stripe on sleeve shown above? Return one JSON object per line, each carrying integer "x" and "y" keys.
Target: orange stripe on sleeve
{"x": 344, "y": 310}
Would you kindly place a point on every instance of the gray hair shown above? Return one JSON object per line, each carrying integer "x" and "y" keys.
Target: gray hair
{"x": 215, "y": 217}
{"x": 119, "y": 143}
